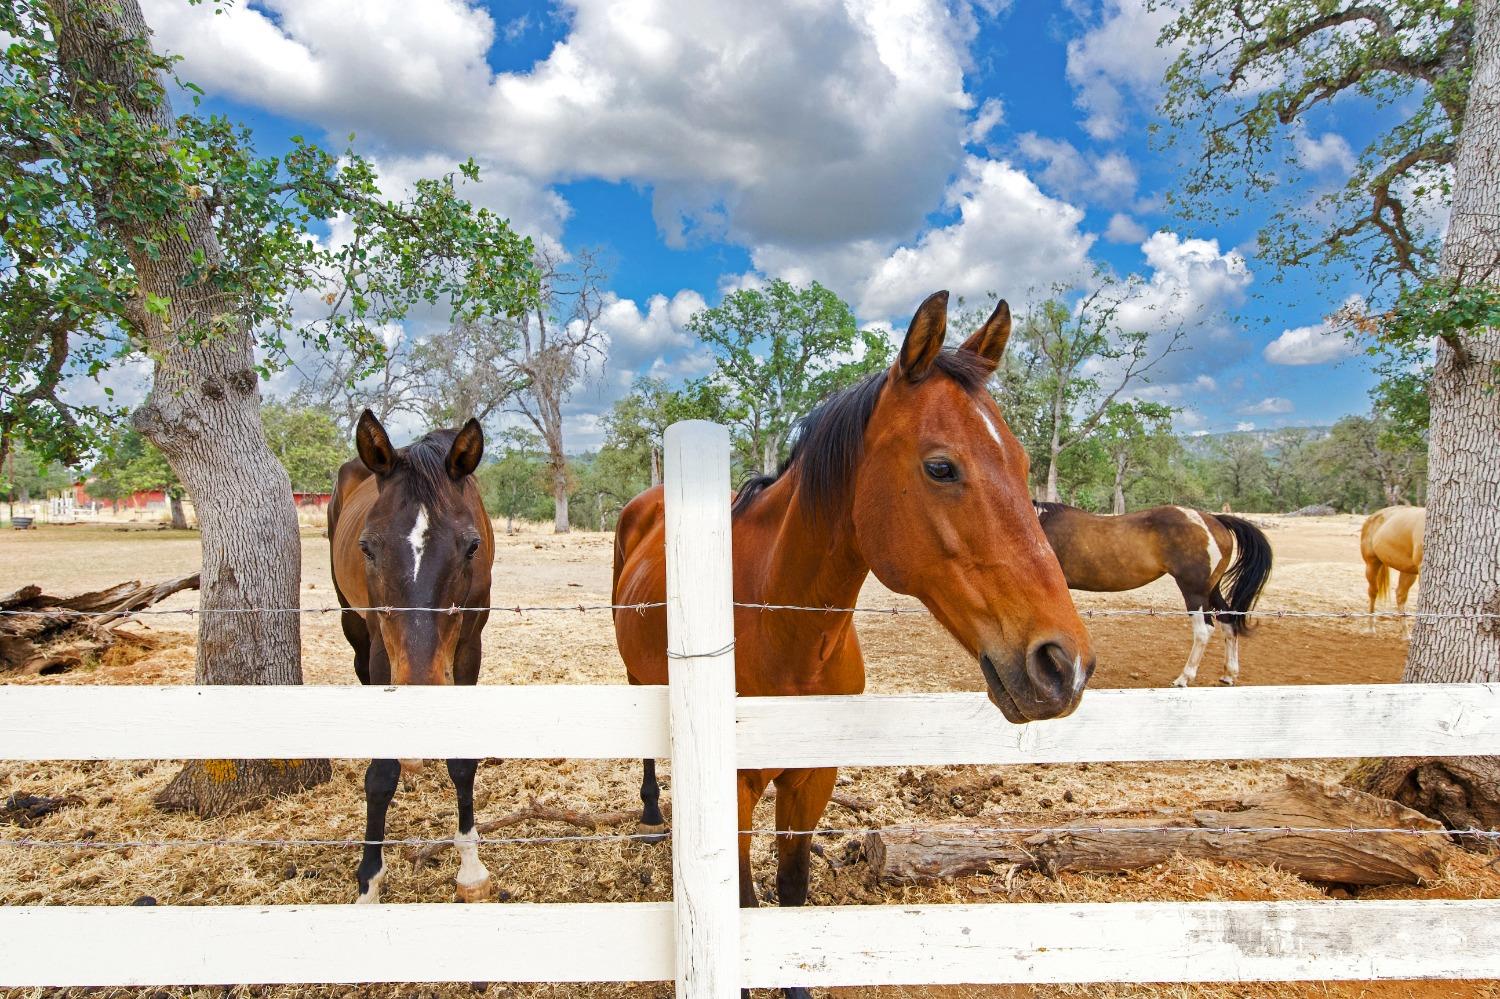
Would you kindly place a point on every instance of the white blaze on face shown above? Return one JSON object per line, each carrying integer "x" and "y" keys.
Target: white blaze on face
{"x": 418, "y": 539}
{"x": 989, "y": 423}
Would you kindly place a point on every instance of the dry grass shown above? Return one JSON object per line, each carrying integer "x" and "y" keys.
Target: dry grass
{"x": 1317, "y": 569}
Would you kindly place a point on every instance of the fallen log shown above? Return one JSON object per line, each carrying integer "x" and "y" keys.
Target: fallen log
{"x": 1306, "y": 828}
{"x": 71, "y": 630}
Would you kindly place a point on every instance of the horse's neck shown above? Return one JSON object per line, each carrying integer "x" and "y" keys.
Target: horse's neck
{"x": 809, "y": 565}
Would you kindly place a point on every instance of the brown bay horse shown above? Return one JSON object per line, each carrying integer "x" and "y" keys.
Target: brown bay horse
{"x": 1220, "y": 564}
{"x": 913, "y": 475}
{"x": 1392, "y": 539}
{"x": 407, "y": 529}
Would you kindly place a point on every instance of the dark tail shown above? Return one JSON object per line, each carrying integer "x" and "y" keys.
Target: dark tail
{"x": 1246, "y": 575}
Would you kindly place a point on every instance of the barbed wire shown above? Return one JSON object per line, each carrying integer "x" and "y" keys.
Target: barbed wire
{"x": 1050, "y": 830}
{"x": 889, "y": 611}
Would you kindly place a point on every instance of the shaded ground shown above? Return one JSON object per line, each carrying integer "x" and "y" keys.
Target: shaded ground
{"x": 1317, "y": 569}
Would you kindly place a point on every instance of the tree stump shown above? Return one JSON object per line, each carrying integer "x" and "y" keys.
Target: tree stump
{"x": 1303, "y": 828}
{"x": 1461, "y": 792}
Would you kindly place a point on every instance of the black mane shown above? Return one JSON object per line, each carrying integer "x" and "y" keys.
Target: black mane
{"x": 1045, "y": 509}
{"x": 830, "y": 440}
{"x": 427, "y": 462}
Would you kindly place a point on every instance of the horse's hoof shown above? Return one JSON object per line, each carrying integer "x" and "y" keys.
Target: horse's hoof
{"x": 795, "y": 992}
{"x": 649, "y": 833}
{"x": 372, "y": 897}
{"x": 1227, "y": 681}
{"x": 1179, "y": 682}
{"x": 479, "y": 891}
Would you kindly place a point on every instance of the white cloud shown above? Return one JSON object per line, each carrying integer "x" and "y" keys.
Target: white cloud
{"x": 641, "y": 339}
{"x": 1008, "y": 238}
{"x": 1110, "y": 177}
{"x": 1116, "y": 62}
{"x": 991, "y": 113}
{"x": 1244, "y": 425}
{"x": 1124, "y": 229}
{"x": 1269, "y": 406}
{"x": 1316, "y": 344}
{"x": 1327, "y": 151}
{"x": 801, "y": 124}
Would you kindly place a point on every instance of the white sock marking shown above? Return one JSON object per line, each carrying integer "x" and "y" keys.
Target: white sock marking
{"x": 418, "y": 539}
{"x": 372, "y": 896}
{"x": 471, "y": 871}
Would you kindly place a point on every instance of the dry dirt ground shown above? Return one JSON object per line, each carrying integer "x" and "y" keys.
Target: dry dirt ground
{"x": 1317, "y": 568}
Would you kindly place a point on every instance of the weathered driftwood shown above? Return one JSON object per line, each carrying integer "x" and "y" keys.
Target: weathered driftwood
{"x": 1302, "y": 828}
{"x": 74, "y": 629}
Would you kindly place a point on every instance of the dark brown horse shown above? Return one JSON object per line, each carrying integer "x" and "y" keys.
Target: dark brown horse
{"x": 911, "y": 474}
{"x": 1204, "y": 553}
{"x": 408, "y": 529}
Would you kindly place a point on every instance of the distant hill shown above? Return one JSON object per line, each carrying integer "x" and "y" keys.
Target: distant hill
{"x": 1202, "y": 445}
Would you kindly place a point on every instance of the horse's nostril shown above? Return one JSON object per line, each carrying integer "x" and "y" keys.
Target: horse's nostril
{"x": 1055, "y": 672}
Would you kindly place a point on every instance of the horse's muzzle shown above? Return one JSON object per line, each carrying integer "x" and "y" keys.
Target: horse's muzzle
{"x": 1047, "y": 682}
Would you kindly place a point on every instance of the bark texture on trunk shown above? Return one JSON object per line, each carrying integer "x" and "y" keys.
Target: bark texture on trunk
{"x": 1121, "y": 467}
{"x": 560, "y": 522}
{"x": 179, "y": 515}
{"x": 203, "y": 412}
{"x": 1461, "y": 562}
{"x": 1462, "y": 792}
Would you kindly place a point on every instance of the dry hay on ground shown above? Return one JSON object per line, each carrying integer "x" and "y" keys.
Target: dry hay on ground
{"x": 1317, "y": 568}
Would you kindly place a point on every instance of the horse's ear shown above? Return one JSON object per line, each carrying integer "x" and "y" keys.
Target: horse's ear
{"x": 924, "y": 338}
{"x": 373, "y": 445}
{"x": 467, "y": 449}
{"x": 989, "y": 340}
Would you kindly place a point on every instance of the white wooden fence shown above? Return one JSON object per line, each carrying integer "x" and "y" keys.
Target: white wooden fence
{"x": 702, "y": 939}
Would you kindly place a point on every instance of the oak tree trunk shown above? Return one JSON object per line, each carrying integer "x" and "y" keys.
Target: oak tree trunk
{"x": 1121, "y": 466}
{"x": 179, "y": 515}
{"x": 1461, "y": 562}
{"x": 560, "y": 523}
{"x": 203, "y": 413}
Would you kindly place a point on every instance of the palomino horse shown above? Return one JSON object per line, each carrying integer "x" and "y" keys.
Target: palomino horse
{"x": 1204, "y": 553}
{"x": 1392, "y": 539}
{"x": 911, "y": 474}
{"x": 408, "y": 529}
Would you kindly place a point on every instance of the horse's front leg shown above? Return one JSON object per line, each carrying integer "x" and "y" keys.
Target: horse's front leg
{"x": 380, "y": 788}
{"x": 473, "y": 881}
{"x": 801, "y": 797}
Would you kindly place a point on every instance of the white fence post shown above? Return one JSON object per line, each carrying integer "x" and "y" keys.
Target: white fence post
{"x": 700, "y": 662}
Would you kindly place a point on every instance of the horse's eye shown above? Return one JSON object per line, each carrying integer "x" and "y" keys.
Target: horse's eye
{"x": 941, "y": 469}
{"x": 473, "y": 549}
{"x": 364, "y": 546}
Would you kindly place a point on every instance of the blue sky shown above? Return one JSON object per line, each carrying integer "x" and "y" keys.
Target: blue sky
{"x": 885, "y": 148}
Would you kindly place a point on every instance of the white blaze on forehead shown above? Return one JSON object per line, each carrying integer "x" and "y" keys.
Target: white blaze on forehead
{"x": 418, "y": 539}
{"x": 989, "y": 422}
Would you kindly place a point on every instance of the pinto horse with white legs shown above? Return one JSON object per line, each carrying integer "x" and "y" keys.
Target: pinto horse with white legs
{"x": 913, "y": 475}
{"x": 1220, "y": 564}
{"x": 408, "y": 532}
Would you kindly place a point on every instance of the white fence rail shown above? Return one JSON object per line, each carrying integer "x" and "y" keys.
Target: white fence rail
{"x": 621, "y": 722}
{"x": 702, "y": 939}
